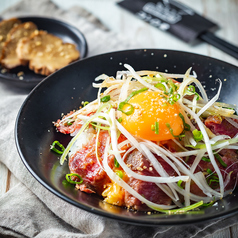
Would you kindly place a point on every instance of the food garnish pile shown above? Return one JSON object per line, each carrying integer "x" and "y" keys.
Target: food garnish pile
{"x": 22, "y": 44}
{"x": 150, "y": 143}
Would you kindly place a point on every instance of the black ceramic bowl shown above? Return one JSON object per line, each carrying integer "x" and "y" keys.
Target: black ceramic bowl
{"x": 66, "y": 32}
{"x": 34, "y": 130}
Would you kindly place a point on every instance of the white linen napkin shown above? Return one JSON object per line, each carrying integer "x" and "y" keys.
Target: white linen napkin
{"x": 29, "y": 209}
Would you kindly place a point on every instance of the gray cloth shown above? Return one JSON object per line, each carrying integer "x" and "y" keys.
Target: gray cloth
{"x": 30, "y": 210}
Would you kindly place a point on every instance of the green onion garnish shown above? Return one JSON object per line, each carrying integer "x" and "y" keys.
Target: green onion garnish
{"x": 69, "y": 178}
{"x": 57, "y": 147}
{"x": 218, "y": 157}
{"x": 209, "y": 204}
{"x": 186, "y": 126}
{"x": 156, "y": 127}
{"x": 116, "y": 164}
{"x": 180, "y": 210}
{"x": 119, "y": 173}
{"x": 128, "y": 112}
{"x": 119, "y": 119}
{"x": 206, "y": 159}
{"x": 85, "y": 103}
{"x": 197, "y": 135}
{"x": 172, "y": 132}
{"x": 209, "y": 171}
{"x": 105, "y": 98}
{"x": 212, "y": 178}
{"x": 122, "y": 104}
{"x": 135, "y": 93}
{"x": 179, "y": 183}
{"x": 174, "y": 98}
{"x": 191, "y": 89}
{"x": 160, "y": 86}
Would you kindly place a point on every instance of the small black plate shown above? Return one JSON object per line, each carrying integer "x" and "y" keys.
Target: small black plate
{"x": 58, "y": 28}
{"x": 34, "y": 131}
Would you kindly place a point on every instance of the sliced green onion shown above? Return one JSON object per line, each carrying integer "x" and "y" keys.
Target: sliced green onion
{"x": 160, "y": 86}
{"x": 218, "y": 157}
{"x": 119, "y": 173}
{"x": 69, "y": 123}
{"x": 156, "y": 127}
{"x": 209, "y": 204}
{"x": 105, "y": 98}
{"x": 191, "y": 89}
{"x": 135, "y": 93}
{"x": 206, "y": 159}
{"x": 85, "y": 103}
{"x": 172, "y": 132}
{"x": 57, "y": 147}
{"x": 179, "y": 183}
{"x": 180, "y": 210}
{"x": 197, "y": 96}
{"x": 172, "y": 85}
{"x": 119, "y": 119}
{"x": 174, "y": 98}
{"x": 212, "y": 178}
{"x": 122, "y": 104}
{"x": 186, "y": 126}
{"x": 209, "y": 171}
{"x": 69, "y": 178}
{"x": 197, "y": 135}
{"x": 116, "y": 164}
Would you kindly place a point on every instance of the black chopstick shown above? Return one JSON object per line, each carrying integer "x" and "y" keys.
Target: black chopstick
{"x": 220, "y": 44}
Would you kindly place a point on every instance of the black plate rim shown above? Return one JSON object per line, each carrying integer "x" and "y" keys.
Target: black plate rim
{"x": 76, "y": 31}
{"x": 129, "y": 220}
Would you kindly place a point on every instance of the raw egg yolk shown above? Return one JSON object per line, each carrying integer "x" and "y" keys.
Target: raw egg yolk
{"x": 151, "y": 109}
